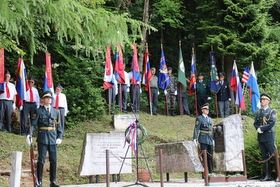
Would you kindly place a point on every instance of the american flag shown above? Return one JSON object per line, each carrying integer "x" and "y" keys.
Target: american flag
{"x": 246, "y": 75}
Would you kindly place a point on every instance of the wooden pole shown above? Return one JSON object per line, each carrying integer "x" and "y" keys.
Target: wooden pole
{"x": 205, "y": 167}
{"x": 181, "y": 100}
{"x": 217, "y": 106}
{"x": 277, "y": 164}
{"x": 244, "y": 163}
{"x": 107, "y": 169}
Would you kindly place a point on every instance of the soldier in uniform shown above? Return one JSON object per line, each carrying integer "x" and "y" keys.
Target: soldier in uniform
{"x": 203, "y": 134}
{"x": 264, "y": 123}
{"x": 171, "y": 92}
{"x": 202, "y": 91}
{"x": 49, "y": 136}
{"x": 223, "y": 96}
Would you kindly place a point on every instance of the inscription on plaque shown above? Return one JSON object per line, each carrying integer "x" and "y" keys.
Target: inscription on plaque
{"x": 219, "y": 138}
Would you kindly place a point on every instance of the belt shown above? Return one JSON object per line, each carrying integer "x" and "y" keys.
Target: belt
{"x": 29, "y": 102}
{"x": 47, "y": 128}
{"x": 207, "y": 132}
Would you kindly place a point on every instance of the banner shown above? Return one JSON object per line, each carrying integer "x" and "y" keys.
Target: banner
{"x": 214, "y": 78}
{"x": 119, "y": 65}
{"x": 48, "y": 81}
{"x": 21, "y": 83}
{"x": 181, "y": 69}
{"x": 193, "y": 75}
{"x": 108, "y": 74}
{"x": 255, "y": 93}
{"x": 134, "y": 66}
{"x": 147, "y": 76}
{"x": 163, "y": 79}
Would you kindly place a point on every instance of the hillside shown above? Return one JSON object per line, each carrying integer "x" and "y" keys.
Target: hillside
{"x": 160, "y": 129}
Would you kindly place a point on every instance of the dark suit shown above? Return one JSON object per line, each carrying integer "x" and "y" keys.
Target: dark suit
{"x": 223, "y": 96}
{"x": 202, "y": 92}
{"x": 203, "y": 133}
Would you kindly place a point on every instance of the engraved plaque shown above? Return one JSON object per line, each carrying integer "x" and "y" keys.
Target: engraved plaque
{"x": 219, "y": 139}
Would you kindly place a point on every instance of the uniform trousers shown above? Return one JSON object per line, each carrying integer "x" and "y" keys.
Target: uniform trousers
{"x": 6, "y": 107}
{"x": 29, "y": 109}
{"x": 267, "y": 149}
{"x": 135, "y": 97}
{"x": 209, "y": 149}
{"x": 201, "y": 100}
{"x": 42, "y": 151}
{"x": 154, "y": 94}
{"x": 62, "y": 116}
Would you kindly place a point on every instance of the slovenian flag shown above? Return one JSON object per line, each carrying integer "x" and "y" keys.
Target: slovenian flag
{"x": 236, "y": 86}
{"x": 21, "y": 83}
{"x": 48, "y": 81}
{"x": 134, "y": 66}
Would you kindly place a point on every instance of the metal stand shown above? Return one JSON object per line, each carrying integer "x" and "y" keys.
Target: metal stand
{"x": 136, "y": 157}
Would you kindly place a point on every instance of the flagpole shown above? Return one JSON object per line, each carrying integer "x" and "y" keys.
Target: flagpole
{"x": 120, "y": 97}
{"x": 150, "y": 99}
{"x": 217, "y": 106}
{"x": 181, "y": 100}
{"x": 109, "y": 100}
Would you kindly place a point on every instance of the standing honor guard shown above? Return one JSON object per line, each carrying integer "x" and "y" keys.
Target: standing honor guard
{"x": 30, "y": 105}
{"x": 47, "y": 120}
{"x": 203, "y": 134}
{"x": 7, "y": 102}
{"x": 264, "y": 123}
{"x": 60, "y": 103}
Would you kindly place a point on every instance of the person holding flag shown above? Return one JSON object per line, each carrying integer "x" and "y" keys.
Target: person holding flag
{"x": 7, "y": 102}
{"x": 202, "y": 91}
{"x": 171, "y": 92}
{"x": 223, "y": 96}
{"x": 121, "y": 98}
{"x": 154, "y": 91}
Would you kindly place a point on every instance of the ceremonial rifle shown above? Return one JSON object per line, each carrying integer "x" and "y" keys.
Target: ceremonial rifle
{"x": 32, "y": 159}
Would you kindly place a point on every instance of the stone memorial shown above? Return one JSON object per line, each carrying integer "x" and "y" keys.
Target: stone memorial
{"x": 178, "y": 157}
{"x": 229, "y": 141}
{"x": 122, "y": 121}
{"x": 93, "y": 159}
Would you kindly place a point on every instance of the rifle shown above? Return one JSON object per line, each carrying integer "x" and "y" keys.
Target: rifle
{"x": 32, "y": 160}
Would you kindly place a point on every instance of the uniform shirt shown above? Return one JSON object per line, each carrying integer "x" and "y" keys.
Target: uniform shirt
{"x": 203, "y": 130}
{"x": 172, "y": 86}
{"x": 12, "y": 90}
{"x": 224, "y": 92}
{"x": 202, "y": 88}
{"x": 36, "y": 96}
{"x": 62, "y": 101}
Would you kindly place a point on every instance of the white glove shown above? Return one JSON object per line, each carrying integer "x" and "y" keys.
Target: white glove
{"x": 195, "y": 142}
{"x": 21, "y": 107}
{"x": 229, "y": 99}
{"x": 128, "y": 90}
{"x": 140, "y": 90}
{"x": 28, "y": 140}
{"x": 58, "y": 141}
{"x": 158, "y": 92}
{"x": 14, "y": 106}
{"x": 175, "y": 93}
{"x": 213, "y": 143}
{"x": 259, "y": 131}
{"x": 165, "y": 92}
{"x": 209, "y": 98}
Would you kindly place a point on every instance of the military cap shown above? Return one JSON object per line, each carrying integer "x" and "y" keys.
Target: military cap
{"x": 200, "y": 74}
{"x": 265, "y": 96}
{"x": 7, "y": 72}
{"x": 59, "y": 85}
{"x": 47, "y": 93}
{"x": 221, "y": 74}
{"x": 205, "y": 106}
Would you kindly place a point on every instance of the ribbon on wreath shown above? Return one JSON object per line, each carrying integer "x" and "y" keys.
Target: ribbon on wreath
{"x": 131, "y": 137}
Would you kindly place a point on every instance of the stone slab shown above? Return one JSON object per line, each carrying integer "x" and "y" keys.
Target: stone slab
{"x": 93, "y": 159}
{"x": 122, "y": 121}
{"x": 178, "y": 157}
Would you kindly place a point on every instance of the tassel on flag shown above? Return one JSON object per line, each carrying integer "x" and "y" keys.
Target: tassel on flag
{"x": 246, "y": 75}
{"x": 108, "y": 74}
{"x": 193, "y": 75}
{"x": 48, "y": 81}
{"x": 255, "y": 93}
{"x": 163, "y": 79}
{"x": 21, "y": 84}
{"x": 236, "y": 86}
{"x": 147, "y": 76}
{"x": 214, "y": 79}
{"x": 2, "y": 71}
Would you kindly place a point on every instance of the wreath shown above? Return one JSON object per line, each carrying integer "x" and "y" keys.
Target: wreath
{"x": 142, "y": 129}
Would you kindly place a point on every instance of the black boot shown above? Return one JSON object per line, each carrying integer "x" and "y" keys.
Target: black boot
{"x": 53, "y": 175}
{"x": 210, "y": 165}
{"x": 39, "y": 174}
{"x": 267, "y": 171}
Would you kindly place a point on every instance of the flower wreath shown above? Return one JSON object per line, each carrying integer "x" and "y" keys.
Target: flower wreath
{"x": 129, "y": 132}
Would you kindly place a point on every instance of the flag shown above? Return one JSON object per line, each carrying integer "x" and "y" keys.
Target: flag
{"x": 108, "y": 74}
{"x": 147, "y": 76}
{"x": 255, "y": 93}
{"x": 163, "y": 79}
{"x": 48, "y": 81}
{"x": 21, "y": 83}
{"x": 119, "y": 65}
{"x": 246, "y": 75}
{"x": 193, "y": 75}
{"x": 214, "y": 79}
{"x": 181, "y": 69}
{"x": 2, "y": 70}
{"x": 134, "y": 66}
{"x": 236, "y": 86}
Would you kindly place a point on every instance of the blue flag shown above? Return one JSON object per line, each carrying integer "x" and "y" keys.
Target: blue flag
{"x": 214, "y": 79}
{"x": 163, "y": 79}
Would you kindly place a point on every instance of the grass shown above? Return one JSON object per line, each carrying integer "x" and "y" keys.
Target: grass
{"x": 160, "y": 129}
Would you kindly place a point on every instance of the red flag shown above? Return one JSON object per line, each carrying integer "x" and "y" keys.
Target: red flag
{"x": 21, "y": 78}
{"x": 2, "y": 70}
{"x": 119, "y": 65}
{"x": 108, "y": 74}
{"x": 147, "y": 70}
{"x": 134, "y": 66}
{"x": 48, "y": 81}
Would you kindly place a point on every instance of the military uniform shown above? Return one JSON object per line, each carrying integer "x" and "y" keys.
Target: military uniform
{"x": 264, "y": 123}
{"x": 202, "y": 92}
{"x": 223, "y": 96}
{"x": 49, "y": 131}
{"x": 171, "y": 94}
{"x": 203, "y": 133}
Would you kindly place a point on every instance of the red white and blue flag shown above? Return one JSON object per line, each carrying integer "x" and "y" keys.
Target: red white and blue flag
{"x": 193, "y": 75}
{"x": 48, "y": 81}
{"x": 21, "y": 83}
{"x": 134, "y": 66}
{"x": 236, "y": 86}
{"x": 246, "y": 75}
{"x": 119, "y": 65}
{"x": 108, "y": 74}
{"x": 254, "y": 93}
{"x": 147, "y": 70}
{"x": 2, "y": 70}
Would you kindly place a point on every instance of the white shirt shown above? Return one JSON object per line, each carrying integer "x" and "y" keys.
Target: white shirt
{"x": 130, "y": 74}
{"x": 62, "y": 102}
{"x": 12, "y": 90}
{"x": 36, "y": 96}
